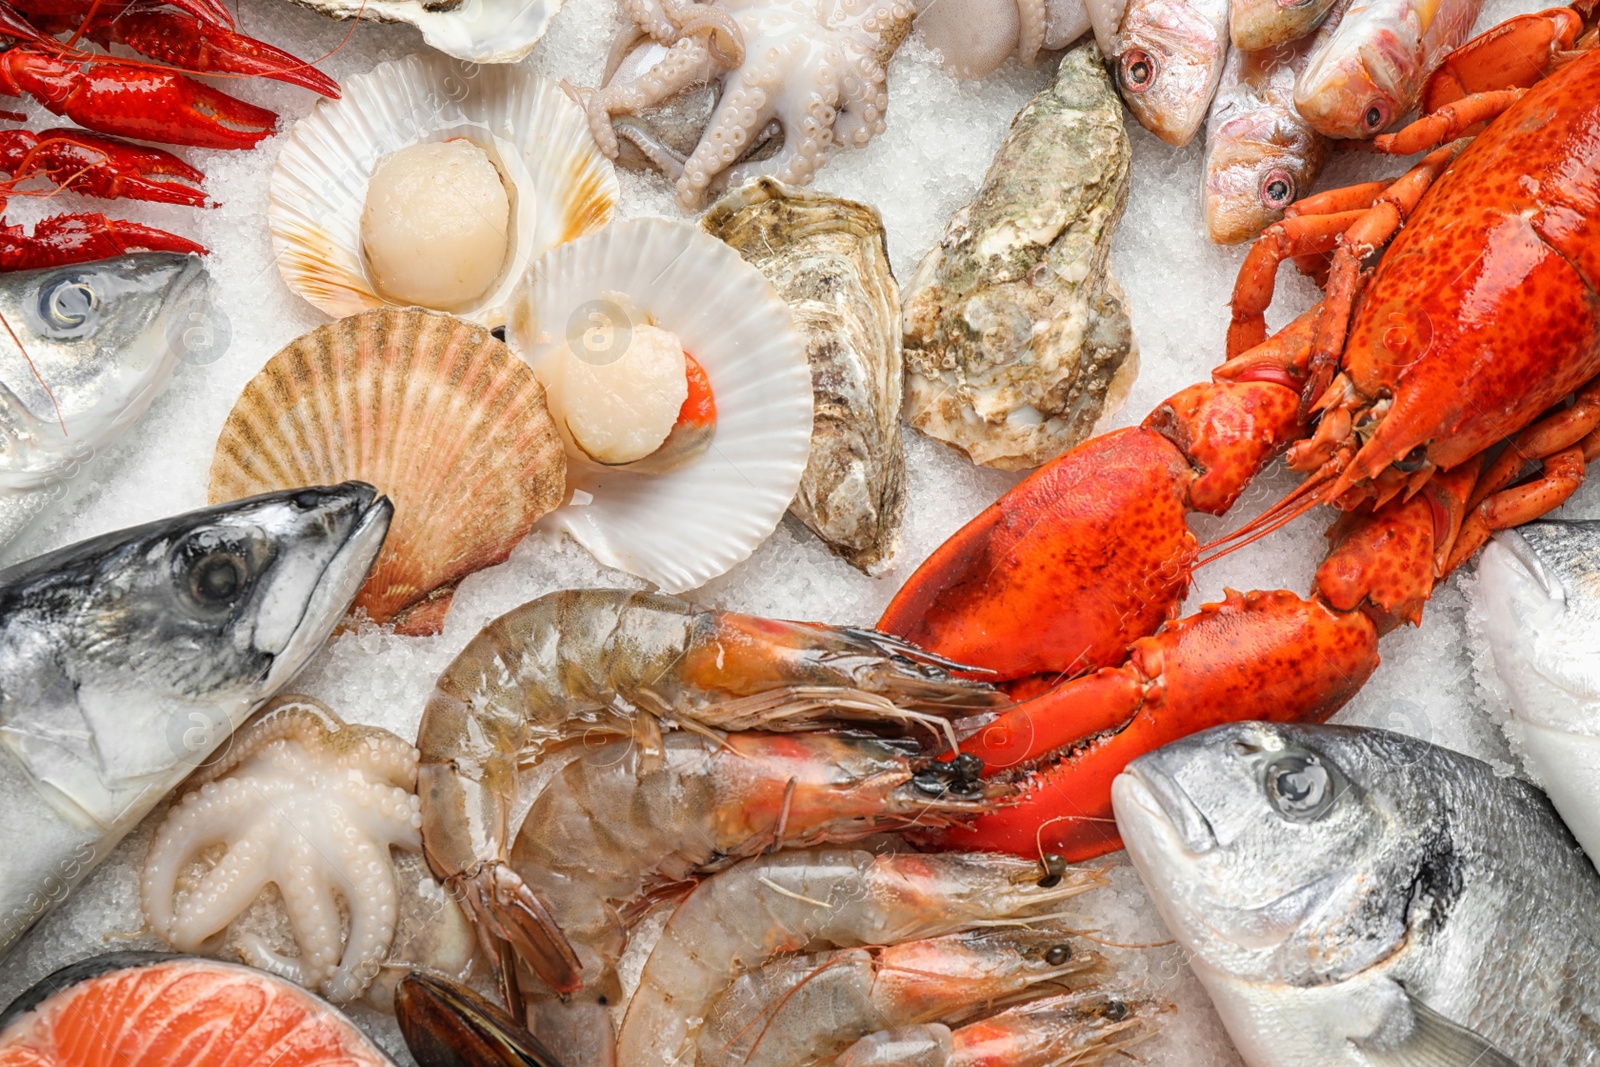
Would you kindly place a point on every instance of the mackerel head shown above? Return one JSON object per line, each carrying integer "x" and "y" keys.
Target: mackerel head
{"x": 127, "y": 659}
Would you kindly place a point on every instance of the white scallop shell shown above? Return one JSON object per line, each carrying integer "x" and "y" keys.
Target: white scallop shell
{"x": 479, "y": 31}
{"x": 681, "y": 528}
{"x": 562, "y": 186}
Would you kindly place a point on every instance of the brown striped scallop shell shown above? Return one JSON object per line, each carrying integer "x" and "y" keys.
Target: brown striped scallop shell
{"x": 431, "y": 409}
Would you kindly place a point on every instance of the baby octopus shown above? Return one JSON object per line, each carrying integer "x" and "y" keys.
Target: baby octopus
{"x": 817, "y": 67}
{"x": 313, "y": 805}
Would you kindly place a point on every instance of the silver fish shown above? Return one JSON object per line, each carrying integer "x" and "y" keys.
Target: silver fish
{"x": 828, "y": 258}
{"x": 1017, "y": 337}
{"x": 1538, "y": 598}
{"x": 126, "y": 659}
{"x": 1358, "y": 898}
{"x": 1261, "y": 153}
{"x": 99, "y": 341}
{"x": 1167, "y": 56}
{"x": 1369, "y": 72}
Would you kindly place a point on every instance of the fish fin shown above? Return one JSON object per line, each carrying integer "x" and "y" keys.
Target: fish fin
{"x": 1435, "y": 1041}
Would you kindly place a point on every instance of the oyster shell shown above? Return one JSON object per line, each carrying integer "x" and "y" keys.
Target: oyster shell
{"x": 1017, "y": 337}
{"x": 827, "y": 257}
{"x": 476, "y": 31}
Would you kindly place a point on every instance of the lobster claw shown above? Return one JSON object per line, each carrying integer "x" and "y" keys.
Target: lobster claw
{"x": 176, "y": 35}
{"x": 446, "y": 1024}
{"x": 64, "y": 239}
{"x": 100, "y": 166}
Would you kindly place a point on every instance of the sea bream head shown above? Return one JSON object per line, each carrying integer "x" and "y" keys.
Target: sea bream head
{"x": 1538, "y": 598}
{"x": 1362, "y": 77}
{"x": 1167, "y": 58}
{"x": 1272, "y": 850}
{"x": 127, "y": 658}
{"x": 90, "y": 345}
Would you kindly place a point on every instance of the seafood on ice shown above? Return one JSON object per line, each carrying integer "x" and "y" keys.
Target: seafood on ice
{"x": 1264, "y": 25}
{"x": 739, "y": 919}
{"x": 584, "y": 667}
{"x": 88, "y": 348}
{"x": 1535, "y": 603}
{"x": 1369, "y": 72}
{"x": 433, "y": 183}
{"x": 815, "y": 67}
{"x": 974, "y": 37}
{"x": 1017, "y": 338}
{"x": 828, "y": 258}
{"x": 1167, "y": 56}
{"x": 314, "y": 806}
{"x": 141, "y": 1009}
{"x": 1261, "y": 153}
{"x": 431, "y": 409}
{"x": 129, "y": 657}
{"x": 1357, "y": 897}
{"x": 682, "y": 391}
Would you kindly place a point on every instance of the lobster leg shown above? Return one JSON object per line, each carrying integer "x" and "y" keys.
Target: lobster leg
{"x": 81, "y": 238}
{"x": 1449, "y": 122}
{"x": 134, "y": 100}
{"x": 1515, "y": 54}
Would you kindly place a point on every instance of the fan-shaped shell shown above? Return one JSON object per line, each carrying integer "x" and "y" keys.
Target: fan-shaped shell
{"x": 679, "y": 528}
{"x": 432, "y": 410}
{"x": 561, "y": 186}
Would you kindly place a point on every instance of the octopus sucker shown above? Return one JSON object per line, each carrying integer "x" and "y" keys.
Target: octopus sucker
{"x": 816, "y": 68}
{"x": 307, "y": 803}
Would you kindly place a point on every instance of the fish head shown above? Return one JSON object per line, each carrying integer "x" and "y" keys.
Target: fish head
{"x": 1539, "y": 593}
{"x": 175, "y": 631}
{"x": 1272, "y": 850}
{"x": 1168, "y": 60}
{"x": 89, "y": 346}
{"x": 1259, "y": 24}
{"x": 1359, "y": 80}
{"x": 1258, "y": 164}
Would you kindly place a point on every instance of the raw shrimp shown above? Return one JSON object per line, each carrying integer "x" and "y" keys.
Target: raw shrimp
{"x": 797, "y": 1011}
{"x": 740, "y": 918}
{"x": 1080, "y": 1029}
{"x": 601, "y": 664}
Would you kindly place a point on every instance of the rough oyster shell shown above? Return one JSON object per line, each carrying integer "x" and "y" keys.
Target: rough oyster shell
{"x": 433, "y": 411}
{"x": 827, "y": 257}
{"x": 1017, "y": 338}
{"x": 476, "y": 31}
{"x": 681, "y": 527}
{"x": 561, "y": 186}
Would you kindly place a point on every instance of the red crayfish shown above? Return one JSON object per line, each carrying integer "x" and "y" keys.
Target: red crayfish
{"x": 125, "y": 98}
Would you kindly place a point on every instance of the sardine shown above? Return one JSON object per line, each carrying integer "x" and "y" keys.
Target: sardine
{"x": 125, "y": 660}
{"x": 98, "y": 342}
{"x": 1261, "y": 154}
{"x": 1167, "y": 57}
{"x": 1368, "y": 73}
{"x": 1538, "y": 595}
{"x": 1359, "y": 898}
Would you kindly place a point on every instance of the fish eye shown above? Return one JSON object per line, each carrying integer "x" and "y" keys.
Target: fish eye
{"x": 1138, "y": 71}
{"x": 1300, "y": 787}
{"x": 1277, "y": 190}
{"x": 217, "y": 579}
{"x": 1377, "y": 116}
{"x": 69, "y": 303}
{"x": 215, "y": 572}
{"x": 1056, "y": 955}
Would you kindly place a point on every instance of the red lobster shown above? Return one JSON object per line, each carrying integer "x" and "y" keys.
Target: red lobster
{"x": 125, "y": 98}
{"x": 1415, "y": 396}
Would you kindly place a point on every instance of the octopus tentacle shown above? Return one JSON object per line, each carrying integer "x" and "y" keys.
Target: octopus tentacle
{"x": 740, "y": 115}
{"x": 374, "y": 912}
{"x": 1030, "y": 34}
{"x": 206, "y": 817}
{"x": 715, "y": 24}
{"x": 685, "y": 64}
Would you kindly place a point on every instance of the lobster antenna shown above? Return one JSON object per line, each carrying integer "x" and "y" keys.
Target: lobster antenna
{"x": 1314, "y": 491}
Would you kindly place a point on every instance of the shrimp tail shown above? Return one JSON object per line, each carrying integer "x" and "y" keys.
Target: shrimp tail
{"x": 504, "y": 907}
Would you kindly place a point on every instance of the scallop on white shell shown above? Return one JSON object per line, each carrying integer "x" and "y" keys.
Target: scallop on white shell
{"x": 560, "y": 185}
{"x": 682, "y": 527}
{"x": 478, "y": 31}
